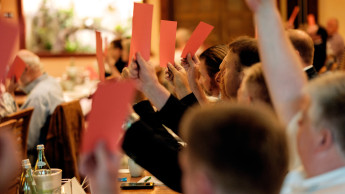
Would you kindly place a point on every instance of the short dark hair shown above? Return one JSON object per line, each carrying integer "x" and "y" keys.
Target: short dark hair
{"x": 302, "y": 42}
{"x": 242, "y": 148}
{"x": 213, "y": 57}
{"x": 247, "y": 50}
{"x": 117, "y": 44}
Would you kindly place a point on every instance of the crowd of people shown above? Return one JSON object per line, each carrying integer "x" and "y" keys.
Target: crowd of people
{"x": 257, "y": 115}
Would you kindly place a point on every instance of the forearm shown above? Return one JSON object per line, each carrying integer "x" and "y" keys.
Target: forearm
{"x": 157, "y": 94}
{"x": 198, "y": 92}
{"x": 282, "y": 67}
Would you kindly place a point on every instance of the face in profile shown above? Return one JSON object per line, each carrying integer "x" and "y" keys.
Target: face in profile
{"x": 230, "y": 77}
{"x": 209, "y": 86}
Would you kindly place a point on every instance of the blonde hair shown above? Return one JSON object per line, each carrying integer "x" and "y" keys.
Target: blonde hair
{"x": 256, "y": 85}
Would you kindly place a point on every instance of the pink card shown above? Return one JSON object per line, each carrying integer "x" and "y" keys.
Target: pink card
{"x": 9, "y": 35}
{"x": 197, "y": 38}
{"x": 106, "y": 46}
{"x": 17, "y": 68}
{"x": 141, "y": 31}
{"x": 293, "y": 15}
{"x": 99, "y": 55}
{"x": 167, "y": 42}
{"x": 110, "y": 108}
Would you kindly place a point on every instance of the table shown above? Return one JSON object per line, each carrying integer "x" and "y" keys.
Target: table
{"x": 157, "y": 189}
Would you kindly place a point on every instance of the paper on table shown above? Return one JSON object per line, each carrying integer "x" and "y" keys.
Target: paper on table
{"x": 110, "y": 106}
{"x": 141, "y": 31}
{"x": 198, "y": 36}
{"x": 293, "y": 15}
{"x": 167, "y": 42}
{"x": 9, "y": 35}
{"x": 99, "y": 55}
{"x": 17, "y": 68}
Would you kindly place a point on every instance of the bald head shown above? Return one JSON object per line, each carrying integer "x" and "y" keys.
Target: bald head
{"x": 31, "y": 59}
{"x": 302, "y": 42}
{"x": 332, "y": 26}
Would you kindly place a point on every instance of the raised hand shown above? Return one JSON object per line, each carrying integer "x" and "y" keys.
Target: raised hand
{"x": 255, "y": 5}
{"x": 178, "y": 76}
{"x": 143, "y": 72}
{"x": 101, "y": 166}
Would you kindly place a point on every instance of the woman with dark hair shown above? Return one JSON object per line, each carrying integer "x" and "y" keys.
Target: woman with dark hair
{"x": 202, "y": 73}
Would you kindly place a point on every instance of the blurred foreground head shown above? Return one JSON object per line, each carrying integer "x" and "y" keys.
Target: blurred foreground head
{"x": 233, "y": 148}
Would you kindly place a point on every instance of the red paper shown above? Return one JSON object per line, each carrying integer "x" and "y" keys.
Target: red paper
{"x": 106, "y": 46}
{"x": 110, "y": 108}
{"x": 167, "y": 42}
{"x": 9, "y": 34}
{"x": 141, "y": 31}
{"x": 99, "y": 55}
{"x": 293, "y": 15}
{"x": 17, "y": 68}
{"x": 198, "y": 37}
{"x": 311, "y": 20}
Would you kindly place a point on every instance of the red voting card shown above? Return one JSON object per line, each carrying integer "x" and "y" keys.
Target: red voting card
{"x": 167, "y": 42}
{"x": 17, "y": 68}
{"x": 110, "y": 108}
{"x": 8, "y": 37}
{"x": 293, "y": 15}
{"x": 198, "y": 37}
{"x": 141, "y": 31}
{"x": 106, "y": 46}
{"x": 99, "y": 55}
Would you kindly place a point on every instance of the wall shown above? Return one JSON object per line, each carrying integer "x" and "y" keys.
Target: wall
{"x": 56, "y": 66}
{"x": 332, "y": 8}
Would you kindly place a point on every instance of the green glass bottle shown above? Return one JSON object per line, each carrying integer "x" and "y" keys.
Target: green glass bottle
{"x": 27, "y": 183}
{"x": 41, "y": 167}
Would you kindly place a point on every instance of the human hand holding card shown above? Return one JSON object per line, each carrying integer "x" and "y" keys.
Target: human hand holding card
{"x": 17, "y": 68}
{"x": 141, "y": 31}
{"x": 99, "y": 55}
{"x": 198, "y": 36}
{"x": 110, "y": 107}
{"x": 167, "y": 42}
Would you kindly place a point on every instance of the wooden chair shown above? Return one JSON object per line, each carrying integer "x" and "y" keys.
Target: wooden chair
{"x": 21, "y": 129}
{"x": 7, "y": 125}
{"x": 64, "y": 138}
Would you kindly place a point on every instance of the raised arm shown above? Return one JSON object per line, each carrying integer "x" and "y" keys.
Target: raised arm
{"x": 281, "y": 65}
{"x": 147, "y": 81}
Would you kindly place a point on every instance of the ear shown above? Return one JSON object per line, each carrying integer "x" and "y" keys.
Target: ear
{"x": 325, "y": 140}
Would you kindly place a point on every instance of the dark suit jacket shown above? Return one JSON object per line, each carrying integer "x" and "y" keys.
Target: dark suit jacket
{"x": 151, "y": 146}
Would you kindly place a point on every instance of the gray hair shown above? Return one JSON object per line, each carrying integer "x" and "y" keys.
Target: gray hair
{"x": 30, "y": 59}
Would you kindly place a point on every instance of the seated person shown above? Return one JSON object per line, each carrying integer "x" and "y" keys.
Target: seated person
{"x": 304, "y": 45}
{"x": 114, "y": 57}
{"x": 7, "y": 103}
{"x": 253, "y": 88}
{"x": 166, "y": 168}
{"x": 44, "y": 95}
{"x": 320, "y": 136}
{"x": 233, "y": 149}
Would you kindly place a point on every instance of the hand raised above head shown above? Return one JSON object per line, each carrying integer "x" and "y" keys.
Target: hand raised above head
{"x": 143, "y": 72}
{"x": 255, "y": 5}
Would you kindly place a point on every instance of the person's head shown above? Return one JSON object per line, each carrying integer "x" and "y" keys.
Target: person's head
{"x": 115, "y": 49}
{"x": 210, "y": 61}
{"x": 303, "y": 44}
{"x": 182, "y": 37}
{"x": 33, "y": 69}
{"x": 234, "y": 148}
{"x": 243, "y": 53}
{"x": 253, "y": 87}
{"x": 332, "y": 26}
{"x": 321, "y": 135}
